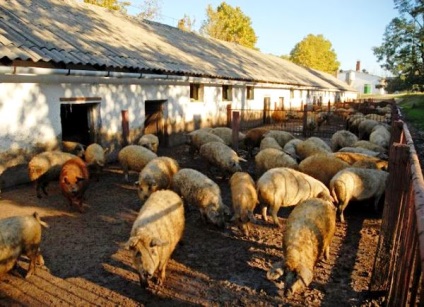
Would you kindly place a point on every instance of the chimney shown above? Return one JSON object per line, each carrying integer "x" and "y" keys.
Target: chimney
{"x": 358, "y": 65}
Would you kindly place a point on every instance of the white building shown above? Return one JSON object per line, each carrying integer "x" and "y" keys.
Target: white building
{"x": 362, "y": 81}
{"x": 83, "y": 73}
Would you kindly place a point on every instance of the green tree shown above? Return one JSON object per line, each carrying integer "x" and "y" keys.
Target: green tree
{"x": 316, "y": 52}
{"x": 402, "y": 50}
{"x": 110, "y": 4}
{"x": 186, "y": 23}
{"x": 229, "y": 24}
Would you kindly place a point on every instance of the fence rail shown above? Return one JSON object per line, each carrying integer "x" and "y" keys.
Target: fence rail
{"x": 400, "y": 252}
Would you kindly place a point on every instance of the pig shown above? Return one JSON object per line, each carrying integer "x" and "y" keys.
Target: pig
{"x": 45, "y": 167}
{"x": 156, "y": 175}
{"x": 244, "y": 198}
{"x": 155, "y": 233}
{"x": 283, "y": 186}
{"x": 198, "y": 190}
{"x": 20, "y": 235}
{"x": 73, "y": 181}
{"x": 307, "y": 237}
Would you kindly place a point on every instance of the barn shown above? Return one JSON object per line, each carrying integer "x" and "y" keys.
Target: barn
{"x": 73, "y": 72}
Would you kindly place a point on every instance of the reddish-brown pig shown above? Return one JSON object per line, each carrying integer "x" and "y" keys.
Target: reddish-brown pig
{"x": 73, "y": 180}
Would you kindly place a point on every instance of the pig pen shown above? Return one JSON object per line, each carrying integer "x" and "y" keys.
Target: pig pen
{"x": 86, "y": 264}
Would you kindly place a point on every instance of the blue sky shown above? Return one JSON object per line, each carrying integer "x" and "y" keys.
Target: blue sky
{"x": 352, "y": 26}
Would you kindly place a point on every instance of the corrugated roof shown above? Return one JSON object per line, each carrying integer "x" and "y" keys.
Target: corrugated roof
{"x": 73, "y": 33}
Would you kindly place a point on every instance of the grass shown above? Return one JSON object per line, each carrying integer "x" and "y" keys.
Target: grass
{"x": 412, "y": 107}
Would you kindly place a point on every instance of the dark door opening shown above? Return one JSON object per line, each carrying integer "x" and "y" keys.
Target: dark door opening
{"x": 80, "y": 122}
{"x": 154, "y": 114}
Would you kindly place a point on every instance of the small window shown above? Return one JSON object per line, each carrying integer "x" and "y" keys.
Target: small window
{"x": 291, "y": 94}
{"x": 196, "y": 92}
{"x": 227, "y": 92}
{"x": 249, "y": 93}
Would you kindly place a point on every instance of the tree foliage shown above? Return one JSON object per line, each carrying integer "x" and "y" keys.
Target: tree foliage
{"x": 150, "y": 9}
{"x": 113, "y": 5}
{"x": 402, "y": 50}
{"x": 186, "y": 23}
{"x": 316, "y": 52}
{"x": 229, "y": 24}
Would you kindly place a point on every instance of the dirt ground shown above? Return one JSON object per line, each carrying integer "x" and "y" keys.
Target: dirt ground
{"x": 86, "y": 265}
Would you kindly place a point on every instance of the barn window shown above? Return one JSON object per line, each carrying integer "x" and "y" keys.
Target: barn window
{"x": 196, "y": 92}
{"x": 249, "y": 93}
{"x": 291, "y": 94}
{"x": 227, "y": 92}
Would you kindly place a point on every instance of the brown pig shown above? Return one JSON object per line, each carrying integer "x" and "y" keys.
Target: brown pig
{"x": 73, "y": 181}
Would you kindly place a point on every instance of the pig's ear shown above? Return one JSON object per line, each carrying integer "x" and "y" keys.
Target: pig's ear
{"x": 242, "y": 159}
{"x": 158, "y": 242}
{"x": 66, "y": 180}
{"x": 131, "y": 243}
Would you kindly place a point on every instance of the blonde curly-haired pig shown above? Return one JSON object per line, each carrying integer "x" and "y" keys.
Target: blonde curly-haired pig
{"x": 380, "y": 136}
{"x": 95, "y": 159}
{"x": 73, "y": 181}
{"x": 74, "y": 148}
{"x": 283, "y": 187}
{"x": 311, "y": 146}
{"x": 353, "y": 157}
{"x": 357, "y": 184}
{"x": 20, "y": 235}
{"x": 150, "y": 141}
{"x": 290, "y": 148}
{"x": 307, "y": 237}
{"x": 156, "y": 175}
{"x": 244, "y": 199}
{"x": 155, "y": 234}
{"x": 221, "y": 156}
{"x": 322, "y": 167}
{"x": 342, "y": 138}
{"x": 226, "y": 134}
{"x": 134, "y": 158}
{"x": 46, "y": 167}
{"x": 198, "y": 190}
{"x": 270, "y": 158}
{"x": 282, "y": 137}
{"x": 198, "y": 138}
{"x": 269, "y": 142}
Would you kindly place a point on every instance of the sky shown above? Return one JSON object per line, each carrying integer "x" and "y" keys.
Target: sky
{"x": 353, "y": 27}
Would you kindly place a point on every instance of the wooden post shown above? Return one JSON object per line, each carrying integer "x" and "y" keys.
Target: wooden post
{"x": 125, "y": 127}
{"x": 396, "y": 189}
{"x": 305, "y": 119}
{"x": 228, "y": 115}
{"x": 235, "y": 125}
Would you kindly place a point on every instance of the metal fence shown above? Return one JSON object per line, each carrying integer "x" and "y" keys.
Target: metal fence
{"x": 309, "y": 122}
{"x": 400, "y": 252}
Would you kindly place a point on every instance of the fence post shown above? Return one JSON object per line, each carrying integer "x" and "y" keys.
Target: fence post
{"x": 228, "y": 115}
{"x": 305, "y": 119}
{"x": 396, "y": 190}
{"x": 235, "y": 125}
{"x": 125, "y": 127}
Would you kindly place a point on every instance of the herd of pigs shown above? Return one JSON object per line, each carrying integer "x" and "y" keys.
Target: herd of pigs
{"x": 316, "y": 178}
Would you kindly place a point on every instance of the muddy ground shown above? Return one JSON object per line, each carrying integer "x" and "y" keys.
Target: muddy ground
{"x": 86, "y": 265}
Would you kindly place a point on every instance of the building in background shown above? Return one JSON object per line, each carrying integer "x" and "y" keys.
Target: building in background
{"x": 362, "y": 81}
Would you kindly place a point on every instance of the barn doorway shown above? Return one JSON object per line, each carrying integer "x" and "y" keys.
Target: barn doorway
{"x": 80, "y": 122}
{"x": 154, "y": 118}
